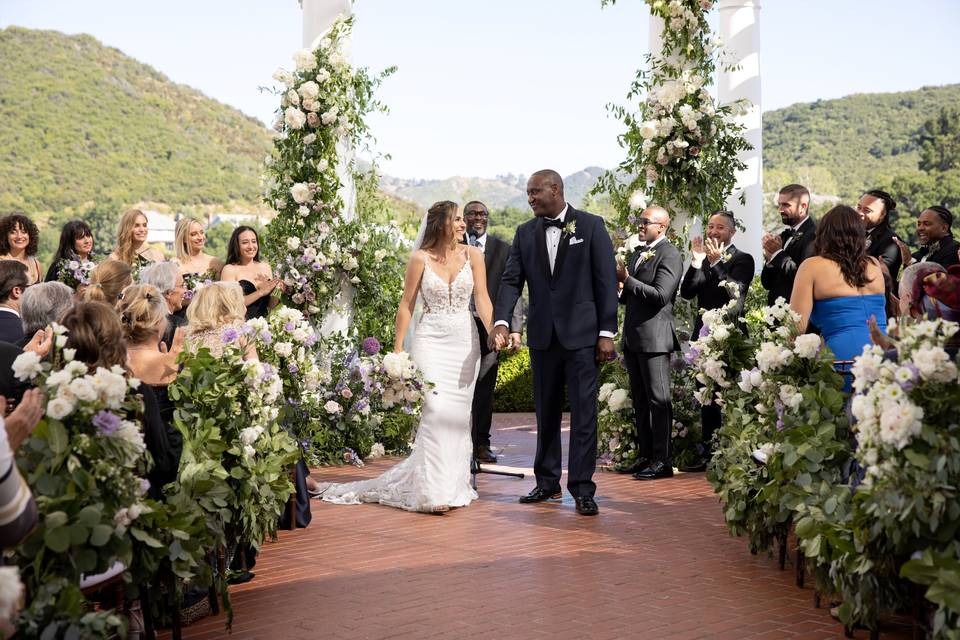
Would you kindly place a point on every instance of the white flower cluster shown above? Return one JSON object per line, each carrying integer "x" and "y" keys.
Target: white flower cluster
{"x": 125, "y": 516}
{"x": 401, "y": 371}
{"x": 248, "y": 438}
{"x": 11, "y": 591}
{"x": 707, "y": 352}
{"x": 614, "y": 398}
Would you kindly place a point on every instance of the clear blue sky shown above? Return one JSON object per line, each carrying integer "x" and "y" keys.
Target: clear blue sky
{"x": 499, "y": 86}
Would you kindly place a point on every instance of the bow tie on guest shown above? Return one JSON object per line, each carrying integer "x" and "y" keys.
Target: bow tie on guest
{"x": 788, "y": 233}
{"x": 552, "y": 222}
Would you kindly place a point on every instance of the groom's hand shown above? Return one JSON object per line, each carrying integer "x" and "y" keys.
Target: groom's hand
{"x": 605, "y": 350}
{"x": 498, "y": 338}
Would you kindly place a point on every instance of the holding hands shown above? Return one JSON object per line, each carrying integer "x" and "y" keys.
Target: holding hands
{"x": 499, "y": 338}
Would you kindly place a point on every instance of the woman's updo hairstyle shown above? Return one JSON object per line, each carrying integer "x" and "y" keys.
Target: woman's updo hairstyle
{"x": 107, "y": 280}
{"x": 142, "y": 311}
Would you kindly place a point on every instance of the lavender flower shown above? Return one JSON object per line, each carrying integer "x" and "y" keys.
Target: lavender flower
{"x": 229, "y": 335}
{"x": 289, "y": 327}
{"x": 292, "y": 368}
{"x": 371, "y": 346}
{"x": 144, "y": 486}
{"x": 106, "y": 422}
{"x": 704, "y": 330}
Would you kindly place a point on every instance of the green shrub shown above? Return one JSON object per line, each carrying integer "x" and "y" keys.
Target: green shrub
{"x": 514, "y": 391}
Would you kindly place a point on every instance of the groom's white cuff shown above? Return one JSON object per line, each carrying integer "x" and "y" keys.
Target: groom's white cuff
{"x": 607, "y": 334}
{"x": 501, "y": 323}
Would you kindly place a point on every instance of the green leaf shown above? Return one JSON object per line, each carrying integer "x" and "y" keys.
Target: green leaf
{"x": 146, "y": 538}
{"x": 55, "y": 520}
{"x": 917, "y": 459}
{"x": 57, "y": 437}
{"x": 57, "y": 540}
{"x": 89, "y": 515}
{"x": 100, "y": 535}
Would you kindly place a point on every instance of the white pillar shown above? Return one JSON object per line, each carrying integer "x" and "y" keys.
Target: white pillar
{"x": 318, "y": 17}
{"x": 740, "y": 30}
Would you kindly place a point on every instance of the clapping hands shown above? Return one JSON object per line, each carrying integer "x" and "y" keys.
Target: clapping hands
{"x": 771, "y": 244}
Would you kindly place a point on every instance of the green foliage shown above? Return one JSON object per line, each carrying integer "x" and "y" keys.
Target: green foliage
{"x": 514, "y": 390}
{"x": 939, "y": 142}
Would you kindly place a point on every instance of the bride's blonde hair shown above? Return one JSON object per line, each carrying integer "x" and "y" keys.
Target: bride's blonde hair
{"x": 439, "y": 217}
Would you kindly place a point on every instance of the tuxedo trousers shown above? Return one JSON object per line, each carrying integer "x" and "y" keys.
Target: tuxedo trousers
{"x": 652, "y": 409}
{"x": 554, "y": 369}
{"x": 482, "y": 408}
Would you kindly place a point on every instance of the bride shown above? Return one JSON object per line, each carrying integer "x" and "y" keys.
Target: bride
{"x": 446, "y": 348}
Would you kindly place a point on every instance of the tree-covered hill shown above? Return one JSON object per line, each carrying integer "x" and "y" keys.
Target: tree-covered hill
{"x": 81, "y": 122}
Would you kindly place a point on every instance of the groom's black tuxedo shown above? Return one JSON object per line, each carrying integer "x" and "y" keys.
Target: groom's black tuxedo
{"x": 568, "y": 309}
{"x": 648, "y": 340}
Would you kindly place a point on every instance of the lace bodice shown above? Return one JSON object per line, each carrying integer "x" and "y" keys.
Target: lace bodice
{"x": 442, "y": 298}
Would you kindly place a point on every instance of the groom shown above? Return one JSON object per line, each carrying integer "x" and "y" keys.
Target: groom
{"x": 566, "y": 259}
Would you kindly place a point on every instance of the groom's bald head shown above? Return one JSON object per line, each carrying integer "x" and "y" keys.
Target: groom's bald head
{"x": 545, "y": 193}
{"x": 549, "y": 176}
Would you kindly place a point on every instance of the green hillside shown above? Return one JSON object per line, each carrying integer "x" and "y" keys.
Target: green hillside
{"x": 845, "y": 146}
{"x": 81, "y": 122}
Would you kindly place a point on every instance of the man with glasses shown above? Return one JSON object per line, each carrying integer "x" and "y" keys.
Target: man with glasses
{"x": 495, "y": 252}
{"x": 650, "y": 280}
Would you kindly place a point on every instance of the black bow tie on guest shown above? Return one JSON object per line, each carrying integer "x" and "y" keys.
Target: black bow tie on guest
{"x": 552, "y": 222}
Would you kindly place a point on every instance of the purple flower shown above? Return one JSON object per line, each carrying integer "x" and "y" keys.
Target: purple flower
{"x": 229, "y": 335}
{"x": 289, "y": 327}
{"x": 317, "y": 266}
{"x": 691, "y": 356}
{"x": 266, "y": 337}
{"x": 704, "y": 331}
{"x": 371, "y": 346}
{"x": 144, "y": 485}
{"x": 779, "y": 407}
{"x": 311, "y": 340}
{"x": 407, "y": 409}
{"x": 632, "y": 219}
{"x": 292, "y": 368}
{"x": 106, "y": 422}
{"x": 780, "y": 425}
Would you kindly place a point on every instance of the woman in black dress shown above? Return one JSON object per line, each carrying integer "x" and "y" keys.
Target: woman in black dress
{"x": 255, "y": 277}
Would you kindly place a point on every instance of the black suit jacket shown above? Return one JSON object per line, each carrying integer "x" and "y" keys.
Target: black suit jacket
{"x": 495, "y": 254}
{"x": 778, "y": 275}
{"x": 880, "y": 245}
{"x": 9, "y": 385}
{"x": 648, "y": 293}
{"x": 11, "y": 327}
{"x": 579, "y": 299}
{"x": 944, "y": 253}
{"x": 704, "y": 284}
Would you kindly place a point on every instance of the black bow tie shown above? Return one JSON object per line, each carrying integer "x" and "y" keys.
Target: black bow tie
{"x": 552, "y": 222}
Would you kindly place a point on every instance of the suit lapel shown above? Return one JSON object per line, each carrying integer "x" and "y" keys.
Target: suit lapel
{"x": 540, "y": 248}
{"x": 569, "y": 220}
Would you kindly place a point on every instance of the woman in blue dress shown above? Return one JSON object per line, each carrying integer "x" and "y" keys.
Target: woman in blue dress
{"x": 840, "y": 288}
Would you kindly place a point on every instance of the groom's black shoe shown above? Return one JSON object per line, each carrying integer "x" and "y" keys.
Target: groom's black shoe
{"x": 586, "y": 506}
{"x": 483, "y": 454}
{"x": 637, "y": 465}
{"x": 539, "y": 495}
{"x": 655, "y": 471}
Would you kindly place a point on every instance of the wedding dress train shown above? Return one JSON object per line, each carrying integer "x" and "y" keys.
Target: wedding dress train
{"x": 446, "y": 348}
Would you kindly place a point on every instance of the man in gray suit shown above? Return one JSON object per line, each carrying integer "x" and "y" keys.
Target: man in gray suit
{"x": 495, "y": 252}
{"x": 650, "y": 280}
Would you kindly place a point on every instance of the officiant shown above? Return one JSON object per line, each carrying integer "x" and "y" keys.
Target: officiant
{"x": 495, "y": 251}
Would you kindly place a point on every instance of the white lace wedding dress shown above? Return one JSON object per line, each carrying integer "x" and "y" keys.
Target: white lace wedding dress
{"x": 446, "y": 348}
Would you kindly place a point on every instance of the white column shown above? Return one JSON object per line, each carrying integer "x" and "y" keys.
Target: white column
{"x": 740, "y": 30}
{"x": 318, "y": 17}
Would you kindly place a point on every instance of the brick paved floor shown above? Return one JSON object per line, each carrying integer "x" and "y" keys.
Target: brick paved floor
{"x": 657, "y": 563}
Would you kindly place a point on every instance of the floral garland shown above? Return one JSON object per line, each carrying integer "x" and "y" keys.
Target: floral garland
{"x": 681, "y": 144}
{"x": 316, "y": 249}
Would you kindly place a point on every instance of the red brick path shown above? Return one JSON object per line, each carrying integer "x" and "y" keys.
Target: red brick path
{"x": 657, "y": 563}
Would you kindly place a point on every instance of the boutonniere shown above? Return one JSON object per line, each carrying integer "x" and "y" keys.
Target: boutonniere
{"x": 724, "y": 256}
{"x": 646, "y": 255}
{"x": 570, "y": 228}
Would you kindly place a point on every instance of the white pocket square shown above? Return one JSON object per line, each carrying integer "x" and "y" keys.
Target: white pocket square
{"x": 575, "y": 240}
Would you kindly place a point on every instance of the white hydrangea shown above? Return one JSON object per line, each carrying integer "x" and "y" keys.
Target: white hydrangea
{"x": 605, "y": 390}
{"x": 619, "y": 399}
{"x": 900, "y": 422}
{"x": 807, "y": 346}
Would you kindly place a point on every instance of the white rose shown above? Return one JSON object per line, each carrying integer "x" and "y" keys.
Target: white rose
{"x": 305, "y": 60}
{"x": 249, "y": 451}
{"x": 283, "y": 349}
{"x": 83, "y": 390}
{"x": 309, "y": 139}
{"x": 59, "y": 408}
{"x": 605, "y": 390}
{"x": 281, "y": 75}
{"x": 322, "y": 76}
{"x": 619, "y": 399}
{"x": 294, "y": 118}
{"x": 309, "y": 90}
{"x": 329, "y": 117}
{"x": 27, "y": 366}
{"x": 293, "y": 243}
{"x": 377, "y": 450}
{"x": 249, "y": 435}
{"x": 649, "y": 129}
{"x": 293, "y": 97}
{"x": 807, "y": 346}
{"x": 719, "y": 332}
{"x": 300, "y": 192}
{"x": 11, "y": 591}
{"x": 393, "y": 364}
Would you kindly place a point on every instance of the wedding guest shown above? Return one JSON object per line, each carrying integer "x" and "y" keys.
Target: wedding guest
{"x": 650, "y": 281}
{"x": 107, "y": 280}
{"x": 13, "y": 282}
{"x": 714, "y": 264}
{"x": 166, "y": 277}
{"x": 18, "y": 510}
{"x": 76, "y": 243}
{"x": 783, "y": 254}
{"x": 190, "y": 239}
{"x": 143, "y": 316}
{"x": 255, "y": 277}
{"x": 132, "y": 246}
{"x": 43, "y": 304}
{"x": 936, "y": 239}
{"x": 19, "y": 239}
{"x": 495, "y": 253}
{"x": 217, "y": 307}
{"x": 876, "y": 207}
{"x": 914, "y": 303}
{"x": 841, "y": 287}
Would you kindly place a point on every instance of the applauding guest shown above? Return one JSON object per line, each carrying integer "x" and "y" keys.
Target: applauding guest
{"x": 76, "y": 243}
{"x": 255, "y": 277}
{"x": 841, "y": 287}
{"x": 13, "y": 282}
{"x": 936, "y": 239}
{"x": 875, "y": 207}
{"x": 716, "y": 265}
{"x": 19, "y": 239}
{"x": 132, "y": 246}
{"x": 784, "y": 253}
{"x": 650, "y": 280}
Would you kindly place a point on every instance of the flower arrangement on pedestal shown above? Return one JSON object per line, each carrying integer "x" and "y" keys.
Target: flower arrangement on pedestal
{"x": 681, "y": 144}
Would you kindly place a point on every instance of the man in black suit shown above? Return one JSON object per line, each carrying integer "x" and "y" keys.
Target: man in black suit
{"x": 13, "y": 281}
{"x": 936, "y": 239}
{"x": 784, "y": 253}
{"x": 566, "y": 259}
{"x": 495, "y": 253}
{"x": 650, "y": 281}
{"x": 876, "y": 207}
{"x": 715, "y": 263}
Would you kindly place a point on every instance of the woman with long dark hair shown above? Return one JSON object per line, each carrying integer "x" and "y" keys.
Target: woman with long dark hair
{"x": 875, "y": 208}
{"x": 255, "y": 276}
{"x": 841, "y": 287}
{"x": 76, "y": 243}
{"x": 446, "y": 348}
